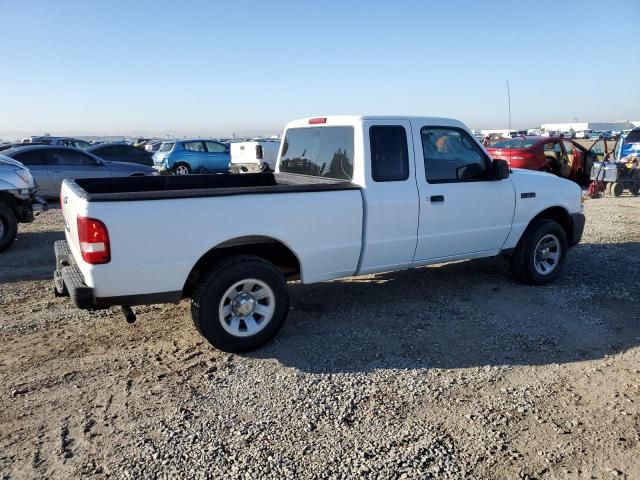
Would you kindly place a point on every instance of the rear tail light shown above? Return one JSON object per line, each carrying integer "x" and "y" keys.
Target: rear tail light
{"x": 94, "y": 241}
{"x": 259, "y": 152}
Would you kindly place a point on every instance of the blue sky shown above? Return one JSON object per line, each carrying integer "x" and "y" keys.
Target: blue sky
{"x": 216, "y": 67}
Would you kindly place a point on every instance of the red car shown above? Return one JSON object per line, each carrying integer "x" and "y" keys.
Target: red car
{"x": 548, "y": 154}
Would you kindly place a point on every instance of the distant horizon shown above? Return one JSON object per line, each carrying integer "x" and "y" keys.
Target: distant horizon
{"x": 148, "y": 68}
{"x": 265, "y": 132}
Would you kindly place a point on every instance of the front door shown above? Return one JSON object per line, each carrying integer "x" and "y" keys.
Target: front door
{"x": 69, "y": 163}
{"x": 463, "y": 211}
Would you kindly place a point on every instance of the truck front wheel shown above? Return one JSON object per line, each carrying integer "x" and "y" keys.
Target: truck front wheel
{"x": 541, "y": 252}
{"x": 240, "y": 304}
{"x": 8, "y": 227}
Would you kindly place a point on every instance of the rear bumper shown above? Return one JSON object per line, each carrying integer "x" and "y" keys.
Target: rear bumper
{"x": 247, "y": 167}
{"x": 578, "y": 221}
{"x": 69, "y": 281}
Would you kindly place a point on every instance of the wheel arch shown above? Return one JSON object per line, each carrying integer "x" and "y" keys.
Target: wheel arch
{"x": 8, "y": 200}
{"x": 560, "y": 215}
{"x": 266, "y": 247}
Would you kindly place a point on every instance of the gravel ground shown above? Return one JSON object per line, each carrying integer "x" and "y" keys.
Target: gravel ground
{"x": 450, "y": 371}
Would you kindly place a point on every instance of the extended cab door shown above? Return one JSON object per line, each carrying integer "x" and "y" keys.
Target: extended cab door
{"x": 390, "y": 197}
{"x": 463, "y": 211}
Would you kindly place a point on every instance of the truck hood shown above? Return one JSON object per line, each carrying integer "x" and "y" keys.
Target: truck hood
{"x": 546, "y": 188}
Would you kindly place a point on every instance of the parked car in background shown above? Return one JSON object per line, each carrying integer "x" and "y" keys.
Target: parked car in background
{"x": 568, "y": 135}
{"x": 557, "y": 155}
{"x": 61, "y": 141}
{"x": 7, "y": 146}
{"x": 582, "y": 134}
{"x": 153, "y": 146}
{"x": 50, "y": 165}
{"x": 254, "y": 156}
{"x": 595, "y": 135}
{"x": 18, "y": 201}
{"x": 121, "y": 152}
{"x": 629, "y": 144}
{"x": 182, "y": 157}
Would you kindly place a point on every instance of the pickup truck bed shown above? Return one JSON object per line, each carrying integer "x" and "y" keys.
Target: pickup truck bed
{"x": 195, "y": 186}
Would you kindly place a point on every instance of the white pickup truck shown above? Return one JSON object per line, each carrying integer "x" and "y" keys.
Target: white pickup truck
{"x": 351, "y": 195}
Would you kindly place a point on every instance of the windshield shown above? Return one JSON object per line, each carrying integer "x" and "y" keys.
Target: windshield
{"x": 318, "y": 151}
{"x": 515, "y": 143}
{"x": 165, "y": 147}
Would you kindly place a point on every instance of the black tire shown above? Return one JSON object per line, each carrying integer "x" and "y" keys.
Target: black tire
{"x": 523, "y": 263}
{"x": 8, "y": 227}
{"x": 210, "y": 294}
{"x": 635, "y": 188}
{"x": 617, "y": 189}
{"x": 179, "y": 168}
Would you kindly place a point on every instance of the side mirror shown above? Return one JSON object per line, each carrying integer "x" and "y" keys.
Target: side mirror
{"x": 501, "y": 169}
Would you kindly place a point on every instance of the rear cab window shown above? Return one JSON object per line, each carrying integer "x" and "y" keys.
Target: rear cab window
{"x": 319, "y": 152}
{"x": 389, "y": 153}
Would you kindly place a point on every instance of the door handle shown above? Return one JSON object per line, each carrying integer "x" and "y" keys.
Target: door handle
{"x": 55, "y": 171}
{"x": 437, "y": 198}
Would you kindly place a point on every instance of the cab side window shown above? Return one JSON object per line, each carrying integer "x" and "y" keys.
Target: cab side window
{"x": 451, "y": 155}
{"x": 389, "y": 153}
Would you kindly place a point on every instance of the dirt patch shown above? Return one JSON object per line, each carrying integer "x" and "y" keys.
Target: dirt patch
{"x": 450, "y": 371}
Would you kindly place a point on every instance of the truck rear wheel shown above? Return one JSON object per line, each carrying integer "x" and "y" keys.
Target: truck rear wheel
{"x": 8, "y": 227}
{"x": 240, "y": 304}
{"x": 541, "y": 252}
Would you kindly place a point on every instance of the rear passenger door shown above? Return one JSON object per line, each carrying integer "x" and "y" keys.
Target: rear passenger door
{"x": 36, "y": 162}
{"x": 196, "y": 156}
{"x": 391, "y": 197}
{"x": 463, "y": 212}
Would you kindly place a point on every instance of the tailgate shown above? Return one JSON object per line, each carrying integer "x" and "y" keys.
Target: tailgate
{"x": 72, "y": 206}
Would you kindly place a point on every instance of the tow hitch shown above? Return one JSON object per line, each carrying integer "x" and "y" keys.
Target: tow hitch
{"x": 129, "y": 316}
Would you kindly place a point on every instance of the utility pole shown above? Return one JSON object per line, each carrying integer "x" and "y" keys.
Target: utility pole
{"x": 509, "y": 102}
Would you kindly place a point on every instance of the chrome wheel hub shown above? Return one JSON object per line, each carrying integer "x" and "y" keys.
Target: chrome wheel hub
{"x": 547, "y": 254}
{"x": 247, "y": 307}
{"x": 244, "y": 304}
